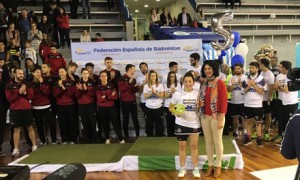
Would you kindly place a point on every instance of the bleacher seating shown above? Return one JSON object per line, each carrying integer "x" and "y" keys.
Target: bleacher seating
{"x": 260, "y": 19}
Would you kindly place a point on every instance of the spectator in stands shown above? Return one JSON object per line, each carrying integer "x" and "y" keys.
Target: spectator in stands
{"x": 52, "y": 15}
{"x": 12, "y": 33}
{"x": 12, "y": 15}
{"x": 184, "y": 18}
{"x": 29, "y": 67}
{"x": 45, "y": 26}
{"x": 86, "y": 9}
{"x": 199, "y": 16}
{"x": 56, "y": 60}
{"x": 154, "y": 17}
{"x": 44, "y": 48}
{"x": 3, "y": 52}
{"x": 74, "y": 7}
{"x": 29, "y": 52}
{"x": 32, "y": 17}
{"x": 85, "y": 37}
{"x": 13, "y": 52}
{"x": 165, "y": 18}
{"x": 24, "y": 25}
{"x": 99, "y": 38}
{"x": 63, "y": 27}
{"x": 4, "y": 105}
{"x": 35, "y": 37}
{"x": 110, "y": 4}
{"x": 3, "y": 23}
{"x": 240, "y": 3}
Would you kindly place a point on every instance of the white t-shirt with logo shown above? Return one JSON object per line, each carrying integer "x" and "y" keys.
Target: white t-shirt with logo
{"x": 153, "y": 102}
{"x": 291, "y": 97}
{"x": 237, "y": 93}
{"x": 269, "y": 80}
{"x": 282, "y": 80}
{"x": 253, "y": 98}
{"x": 168, "y": 91}
{"x": 198, "y": 69}
{"x": 190, "y": 118}
{"x": 140, "y": 81}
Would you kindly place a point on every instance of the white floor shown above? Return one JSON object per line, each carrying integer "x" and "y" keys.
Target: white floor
{"x": 283, "y": 173}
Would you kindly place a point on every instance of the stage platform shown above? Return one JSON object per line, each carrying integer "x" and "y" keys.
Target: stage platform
{"x": 147, "y": 153}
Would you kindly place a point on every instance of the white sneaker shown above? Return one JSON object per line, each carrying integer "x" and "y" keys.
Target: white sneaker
{"x": 122, "y": 142}
{"x": 34, "y": 148}
{"x": 107, "y": 141}
{"x": 72, "y": 143}
{"x": 64, "y": 143}
{"x": 15, "y": 152}
{"x": 196, "y": 173}
{"x": 182, "y": 172}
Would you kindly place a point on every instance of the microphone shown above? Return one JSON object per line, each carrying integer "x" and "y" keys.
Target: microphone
{"x": 68, "y": 172}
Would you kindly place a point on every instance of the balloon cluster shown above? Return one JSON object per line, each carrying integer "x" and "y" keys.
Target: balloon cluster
{"x": 232, "y": 39}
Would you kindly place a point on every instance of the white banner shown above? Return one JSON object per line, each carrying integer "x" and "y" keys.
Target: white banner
{"x": 157, "y": 54}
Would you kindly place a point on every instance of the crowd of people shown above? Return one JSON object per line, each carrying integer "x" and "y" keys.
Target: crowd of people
{"x": 183, "y": 19}
{"x": 208, "y": 93}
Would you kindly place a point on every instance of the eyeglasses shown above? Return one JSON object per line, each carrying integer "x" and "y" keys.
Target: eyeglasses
{"x": 172, "y": 76}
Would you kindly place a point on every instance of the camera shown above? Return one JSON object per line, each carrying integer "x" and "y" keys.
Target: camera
{"x": 294, "y": 76}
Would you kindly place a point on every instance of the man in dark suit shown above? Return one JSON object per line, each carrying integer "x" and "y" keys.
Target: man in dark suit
{"x": 184, "y": 18}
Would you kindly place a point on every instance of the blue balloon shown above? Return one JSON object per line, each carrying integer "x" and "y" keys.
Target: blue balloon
{"x": 237, "y": 38}
{"x": 237, "y": 59}
{"x": 223, "y": 53}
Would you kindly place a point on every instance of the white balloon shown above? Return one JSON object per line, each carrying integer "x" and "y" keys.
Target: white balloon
{"x": 242, "y": 49}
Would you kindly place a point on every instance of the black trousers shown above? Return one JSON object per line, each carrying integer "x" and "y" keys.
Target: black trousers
{"x": 154, "y": 117}
{"x": 74, "y": 6}
{"x": 39, "y": 116}
{"x": 67, "y": 122}
{"x": 130, "y": 108}
{"x": 3, "y": 113}
{"x": 106, "y": 115}
{"x": 170, "y": 119}
{"x": 118, "y": 109}
{"x": 64, "y": 33}
{"x": 110, "y": 3}
{"x": 287, "y": 112}
{"x": 87, "y": 115}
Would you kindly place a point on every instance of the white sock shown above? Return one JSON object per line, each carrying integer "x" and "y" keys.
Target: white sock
{"x": 245, "y": 131}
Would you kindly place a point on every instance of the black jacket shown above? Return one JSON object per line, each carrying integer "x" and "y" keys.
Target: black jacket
{"x": 179, "y": 19}
{"x": 290, "y": 148}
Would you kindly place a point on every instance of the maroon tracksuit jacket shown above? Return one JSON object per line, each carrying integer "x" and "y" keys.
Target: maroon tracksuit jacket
{"x": 42, "y": 93}
{"x": 18, "y": 101}
{"x": 106, "y": 95}
{"x": 67, "y": 96}
{"x": 127, "y": 90}
{"x": 86, "y": 96}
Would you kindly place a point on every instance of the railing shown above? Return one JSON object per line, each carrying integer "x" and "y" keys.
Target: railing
{"x": 124, "y": 10}
{"x": 193, "y": 4}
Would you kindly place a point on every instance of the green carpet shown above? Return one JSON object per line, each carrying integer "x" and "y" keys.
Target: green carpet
{"x": 168, "y": 146}
{"x": 83, "y": 153}
{"x": 159, "y": 147}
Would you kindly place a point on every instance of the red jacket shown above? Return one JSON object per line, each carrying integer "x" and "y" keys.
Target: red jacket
{"x": 63, "y": 22}
{"x": 18, "y": 101}
{"x": 86, "y": 96}
{"x": 222, "y": 101}
{"x": 42, "y": 92}
{"x": 127, "y": 90}
{"x": 106, "y": 95}
{"x": 44, "y": 49}
{"x": 56, "y": 61}
{"x": 67, "y": 96}
{"x": 115, "y": 80}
